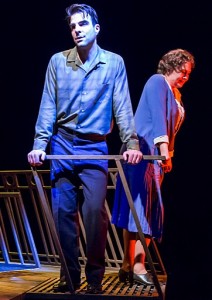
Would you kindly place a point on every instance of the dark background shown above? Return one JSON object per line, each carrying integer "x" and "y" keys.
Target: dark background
{"x": 141, "y": 32}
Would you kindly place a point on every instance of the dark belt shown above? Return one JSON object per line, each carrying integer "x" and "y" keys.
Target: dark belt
{"x": 94, "y": 137}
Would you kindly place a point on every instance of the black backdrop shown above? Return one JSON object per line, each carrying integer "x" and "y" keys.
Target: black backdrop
{"x": 141, "y": 31}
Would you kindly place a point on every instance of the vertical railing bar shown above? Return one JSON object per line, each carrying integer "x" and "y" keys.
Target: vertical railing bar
{"x": 52, "y": 228}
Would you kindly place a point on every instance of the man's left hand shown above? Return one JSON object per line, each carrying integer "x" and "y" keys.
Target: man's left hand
{"x": 132, "y": 156}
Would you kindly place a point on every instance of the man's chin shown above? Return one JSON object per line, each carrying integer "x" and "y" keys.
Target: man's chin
{"x": 81, "y": 44}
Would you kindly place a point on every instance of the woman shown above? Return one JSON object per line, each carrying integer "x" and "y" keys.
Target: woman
{"x": 158, "y": 118}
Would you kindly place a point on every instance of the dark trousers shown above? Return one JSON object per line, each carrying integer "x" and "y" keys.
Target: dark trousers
{"x": 66, "y": 177}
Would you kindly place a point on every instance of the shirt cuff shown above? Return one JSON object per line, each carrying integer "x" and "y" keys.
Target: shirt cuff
{"x": 133, "y": 144}
{"x": 161, "y": 139}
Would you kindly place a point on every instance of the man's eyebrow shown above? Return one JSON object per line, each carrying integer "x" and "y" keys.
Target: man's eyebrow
{"x": 85, "y": 21}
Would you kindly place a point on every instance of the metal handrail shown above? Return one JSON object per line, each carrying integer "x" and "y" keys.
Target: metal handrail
{"x": 47, "y": 210}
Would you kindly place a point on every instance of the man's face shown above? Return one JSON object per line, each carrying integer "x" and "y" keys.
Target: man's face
{"x": 82, "y": 30}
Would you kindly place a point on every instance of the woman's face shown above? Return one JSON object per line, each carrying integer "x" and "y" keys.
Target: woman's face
{"x": 178, "y": 79}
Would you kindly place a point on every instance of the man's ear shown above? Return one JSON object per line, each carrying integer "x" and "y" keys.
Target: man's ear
{"x": 97, "y": 28}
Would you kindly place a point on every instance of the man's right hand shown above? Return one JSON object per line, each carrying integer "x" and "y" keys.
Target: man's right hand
{"x": 36, "y": 157}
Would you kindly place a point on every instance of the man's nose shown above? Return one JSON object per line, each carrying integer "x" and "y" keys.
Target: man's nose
{"x": 77, "y": 28}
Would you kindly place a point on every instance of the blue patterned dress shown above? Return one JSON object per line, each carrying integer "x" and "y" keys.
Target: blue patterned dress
{"x": 158, "y": 114}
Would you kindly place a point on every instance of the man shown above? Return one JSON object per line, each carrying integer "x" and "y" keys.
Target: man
{"x": 85, "y": 89}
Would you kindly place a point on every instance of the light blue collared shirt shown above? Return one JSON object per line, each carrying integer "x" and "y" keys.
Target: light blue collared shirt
{"x": 85, "y": 101}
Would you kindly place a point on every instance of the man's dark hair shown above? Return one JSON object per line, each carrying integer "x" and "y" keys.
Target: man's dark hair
{"x": 84, "y": 9}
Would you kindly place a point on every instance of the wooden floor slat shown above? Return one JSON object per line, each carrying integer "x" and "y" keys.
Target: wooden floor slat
{"x": 37, "y": 284}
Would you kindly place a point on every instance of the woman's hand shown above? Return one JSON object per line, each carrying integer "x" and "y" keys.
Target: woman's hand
{"x": 166, "y": 165}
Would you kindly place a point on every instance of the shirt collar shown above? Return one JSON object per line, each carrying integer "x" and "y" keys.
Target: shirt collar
{"x": 73, "y": 57}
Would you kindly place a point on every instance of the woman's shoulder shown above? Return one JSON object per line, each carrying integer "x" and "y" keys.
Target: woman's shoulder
{"x": 156, "y": 77}
{"x": 155, "y": 80}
